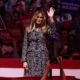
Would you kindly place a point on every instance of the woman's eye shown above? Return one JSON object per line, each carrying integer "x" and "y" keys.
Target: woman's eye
{"x": 39, "y": 17}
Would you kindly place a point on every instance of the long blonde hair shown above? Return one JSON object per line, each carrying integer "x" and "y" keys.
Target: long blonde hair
{"x": 32, "y": 26}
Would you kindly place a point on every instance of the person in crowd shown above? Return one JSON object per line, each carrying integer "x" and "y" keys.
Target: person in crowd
{"x": 35, "y": 55}
{"x": 8, "y": 50}
{"x": 21, "y": 7}
{"x": 2, "y": 9}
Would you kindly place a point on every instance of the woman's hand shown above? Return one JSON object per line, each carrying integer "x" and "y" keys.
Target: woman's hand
{"x": 51, "y": 12}
{"x": 25, "y": 65}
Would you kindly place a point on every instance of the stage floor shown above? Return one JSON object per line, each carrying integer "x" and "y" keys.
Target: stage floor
{"x": 13, "y": 68}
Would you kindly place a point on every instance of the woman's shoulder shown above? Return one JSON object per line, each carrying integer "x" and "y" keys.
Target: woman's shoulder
{"x": 27, "y": 30}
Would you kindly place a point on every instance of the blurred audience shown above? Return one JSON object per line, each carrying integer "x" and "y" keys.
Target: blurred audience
{"x": 67, "y": 36}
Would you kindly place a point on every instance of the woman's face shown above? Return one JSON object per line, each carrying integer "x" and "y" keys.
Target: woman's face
{"x": 39, "y": 19}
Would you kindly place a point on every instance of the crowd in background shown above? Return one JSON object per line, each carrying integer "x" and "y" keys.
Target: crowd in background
{"x": 17, "y": 13}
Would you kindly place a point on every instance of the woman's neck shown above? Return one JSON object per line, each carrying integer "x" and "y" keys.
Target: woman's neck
{"x": 38, "y": 25}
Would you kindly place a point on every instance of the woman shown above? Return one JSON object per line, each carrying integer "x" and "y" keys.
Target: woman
{"x": 35, "y": 52}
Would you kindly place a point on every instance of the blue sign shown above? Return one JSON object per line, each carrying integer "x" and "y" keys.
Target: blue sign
{"x": 69, "y": 5}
